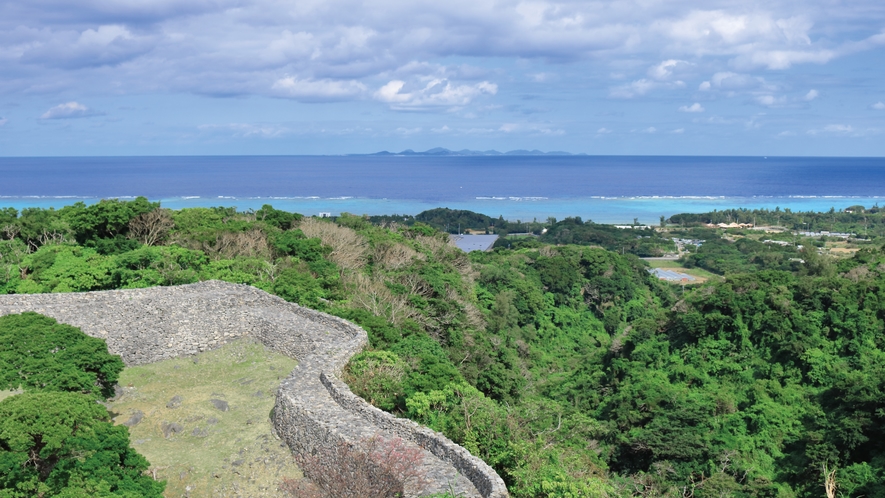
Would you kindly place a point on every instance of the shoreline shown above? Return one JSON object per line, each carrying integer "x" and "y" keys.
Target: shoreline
{"x": 609, "y": 210}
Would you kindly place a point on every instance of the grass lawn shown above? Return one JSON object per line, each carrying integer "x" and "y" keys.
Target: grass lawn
{"x": 698, "y": 273}
{"x": 201, "y": 447}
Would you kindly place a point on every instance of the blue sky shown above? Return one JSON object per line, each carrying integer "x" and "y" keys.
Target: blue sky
{"x": 135, "y": 77}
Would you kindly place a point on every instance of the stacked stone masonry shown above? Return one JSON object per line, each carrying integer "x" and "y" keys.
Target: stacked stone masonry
{"x": 314, "y": 413}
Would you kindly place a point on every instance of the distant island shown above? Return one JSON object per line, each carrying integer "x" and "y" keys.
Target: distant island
{"x": 440, "y": 151}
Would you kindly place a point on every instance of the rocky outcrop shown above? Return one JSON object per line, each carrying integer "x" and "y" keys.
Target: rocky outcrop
{"x": 314, "y": 413}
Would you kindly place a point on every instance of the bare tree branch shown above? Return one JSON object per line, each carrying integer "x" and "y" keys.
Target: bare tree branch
{"x": 151, "y": 228}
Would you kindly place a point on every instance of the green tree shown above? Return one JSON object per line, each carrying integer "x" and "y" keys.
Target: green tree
{"x": 280, "y": 219}
{"x": 299, "y": 286}
{"x": 37, "y": 226}
{"x": 38, "y": 353}
{"x": 66, "y": 268}
{"x": 106, "y": 219}
{"x": 559, "y": 276}
{"x": 63, "y": 444}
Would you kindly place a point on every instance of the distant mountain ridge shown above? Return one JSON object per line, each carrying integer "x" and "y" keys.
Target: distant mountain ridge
{"x": 440, "y": 151}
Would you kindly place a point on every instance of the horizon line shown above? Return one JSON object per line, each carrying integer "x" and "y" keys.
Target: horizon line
{"x": 423, "y": 154}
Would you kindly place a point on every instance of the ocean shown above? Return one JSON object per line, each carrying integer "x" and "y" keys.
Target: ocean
{"x": 606, "y": 189}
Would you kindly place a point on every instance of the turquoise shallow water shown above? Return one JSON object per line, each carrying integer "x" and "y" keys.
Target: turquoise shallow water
{"x": 602, "y": 210}
{"x": 608, "y": 189}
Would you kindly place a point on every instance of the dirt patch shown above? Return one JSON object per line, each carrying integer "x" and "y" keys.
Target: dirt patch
{"x": 203, "y": 421}
{"x": 843, "y": 251}
{"x": 6, "y": 394}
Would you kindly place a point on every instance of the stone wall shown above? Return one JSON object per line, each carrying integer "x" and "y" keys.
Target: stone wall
{"x": 314, "y": 413}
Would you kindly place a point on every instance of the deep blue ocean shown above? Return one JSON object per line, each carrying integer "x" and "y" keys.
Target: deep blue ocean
{"x": 607, "y": 189}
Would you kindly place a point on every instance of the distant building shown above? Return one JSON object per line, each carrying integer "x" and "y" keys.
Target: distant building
{"x": 634, "y": 227}
{"x": 732, "y": 225}
{"x": 777, "y": 242}
{"x": 469, "y": 243}
{"x": 838, "y": 235}
{"x": 325, "y": 215}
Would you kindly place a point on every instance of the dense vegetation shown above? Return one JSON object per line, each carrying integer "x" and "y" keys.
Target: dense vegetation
{"x": 641, "y": 242}
{"x": 566, "y": 367}
{"x": 55, "y": 440}
{"x": 859, "y": 220}
{"x": 39, "y": 354}
{"x": 746, "y": 255}
{"x": 460, "y": 221}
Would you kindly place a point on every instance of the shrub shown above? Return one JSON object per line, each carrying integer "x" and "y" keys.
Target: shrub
{"x": 39, "y": 354}
{"x": 349, "y": 249}
{"x": 377, "y": 377}
{"x": 63, "y": 444}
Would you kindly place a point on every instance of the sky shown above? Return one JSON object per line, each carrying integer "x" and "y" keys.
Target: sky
{"x": 634, "y": 77}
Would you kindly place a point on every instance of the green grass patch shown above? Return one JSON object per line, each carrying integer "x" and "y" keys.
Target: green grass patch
{"x": 199, "y": 449}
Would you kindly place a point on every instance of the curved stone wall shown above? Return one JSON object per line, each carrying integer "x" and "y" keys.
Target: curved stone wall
{"x": 315, "y": 412}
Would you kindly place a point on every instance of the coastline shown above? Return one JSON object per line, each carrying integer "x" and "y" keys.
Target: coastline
{"x": 647, "y": 209}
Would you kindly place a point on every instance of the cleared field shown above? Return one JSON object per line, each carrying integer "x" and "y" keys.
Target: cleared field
{"x": 840, "y": 249}
{"x": 203, "y": 421}
{"x": 698, "y": 273}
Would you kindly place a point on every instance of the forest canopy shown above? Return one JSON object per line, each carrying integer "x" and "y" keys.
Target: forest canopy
{"x": 559, "y": 360}
{"x": 55, "y": 439}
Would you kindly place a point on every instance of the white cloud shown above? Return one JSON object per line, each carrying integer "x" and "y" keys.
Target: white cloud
{"x": 760, "y": 91}
{"x": 105, "y": 45}
{"x": 531, "y": 128}
{"x": 372, "y": 32}
{"x": 845, "y": 130}
{"x": 390, "y": 92}
{"x": 400, "y": 55}
{"x": 650, "y": 129}
{"x": 722, "y": 29}
{"x": 603, "y": 131}
{"x": 678, "y": 131}
{"x": 727, "y": 80}
{"x": 696, "y": 107}
{"x": 541, "y": 77}
{"x": 730, "y": 84}
{"x": 235, "y": 47}
{"x": 664, "y": 70}
{"x": 291, "y": 46}
{"x": 753, "y": 38}
{"x": 784, "y": 59}
{"x": 714, "y": 120}
{"x": 839, "y": 128}
{"x": 249, "y": 129}
{"x": 834, "y": 129}
{"x": 634, "y": 89}
{"x": 770, "y": 100}
{"x": 68, "y": 111}
{"x": 325, "y": 90}
{"x": 879, "y": 106}
{"x": 3, "y": 121}
{"x": 641, "y": 87}
{"x": 436, "y": 93}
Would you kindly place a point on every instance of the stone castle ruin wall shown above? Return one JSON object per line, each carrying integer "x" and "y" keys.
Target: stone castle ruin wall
{"x": 314, "y": 413}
